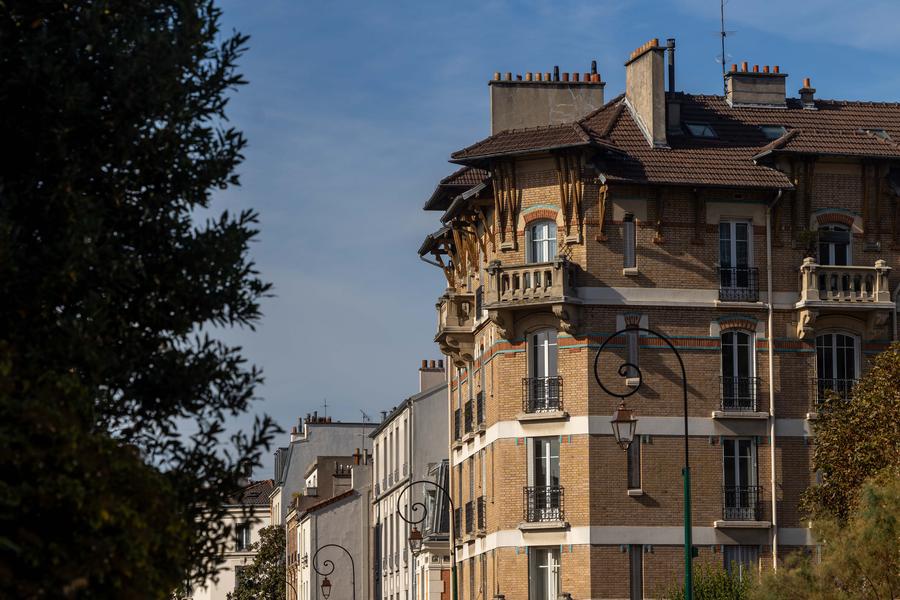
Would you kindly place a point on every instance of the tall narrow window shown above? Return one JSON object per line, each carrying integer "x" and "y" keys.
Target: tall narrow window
{"x": 541, "y": 243}
{"x": 741, "y": 560}
{"x": 543, "y": 573}
{"x": 632, "y": 346}
{"x": 738, "y": 376}
{"x": 543, "y": 385}
{"x": 836, "y": 364}
{"x": 242, "y": 537}
{"x": 543, "y": 500}
{"x": 636, "y": 568}
{"x": 634, "y": 464}
{"x": 629, "y": 258}
{"x": 741, "y": 493}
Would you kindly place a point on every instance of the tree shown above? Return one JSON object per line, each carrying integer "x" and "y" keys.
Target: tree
{"x": 265, "y": 576}
{"x": 113, "y": 117}
{"x": 712, "y": 582}
{"x": 860, "y": 557}
{"x": 855, "y": 440}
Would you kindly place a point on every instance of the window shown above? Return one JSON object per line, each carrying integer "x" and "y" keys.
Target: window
{"x": 735, "y": 254}
{"x": 634, "y": 464}
{"x": 836, "y": 364}
{"x": 542, "y": 391}
{"x": 834, "y": 245}
{"x": 636, "y": 568}
{"x": 239, "y": 576}
{"x": 472, "y": 593}
{"x": 543, "y": 573}
{"x": 540, "y": 245}
{"x": 629, "y": 260}
{"x": 242, "y": 537}
{"x": 701, "y": 130}
{"x": 632, "y": 346}
{"x": 773, "y": 132}
{"x": 741, "y": 493}
{"x": 544, "y": 494}
{"x": 741, "y": 560}
{"x": 738, "y": 381}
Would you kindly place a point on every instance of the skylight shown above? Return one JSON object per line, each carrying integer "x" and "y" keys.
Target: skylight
{"x": 881, "y": 134}
{"x": 773, "y": 132}
{"x": 701, "y": 130}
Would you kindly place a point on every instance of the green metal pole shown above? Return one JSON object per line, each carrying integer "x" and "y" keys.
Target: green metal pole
{"x": 453, "y": 593}
{"x": 688, "y": 545}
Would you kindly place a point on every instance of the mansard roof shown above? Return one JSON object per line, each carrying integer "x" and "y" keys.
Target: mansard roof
{"x": 735, "y": 157}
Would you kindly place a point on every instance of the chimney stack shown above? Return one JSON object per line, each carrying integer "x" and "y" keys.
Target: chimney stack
{"x": 755, "y": 88}
{"x": 431, "y": 375}
{"x": 645, "y": 91}
{"x": 543, "y": 98}
{"x": 807, "y": 95}
{"x": 673, "y": 104}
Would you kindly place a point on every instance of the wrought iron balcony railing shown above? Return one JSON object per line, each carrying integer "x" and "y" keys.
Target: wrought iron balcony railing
{"x": 481, "y": 523}
{"x": 824, "y": 387}
{"x": 739, "y": 284}
{"x": 541, "y": 394}
{"x": 457, "y": 424}
{"x": 468, "y": 416}
{"x": 457, "y": 521}
{"x": 739, "y": 393}
{"x": 470, "y": 516}
{"x": 742, "y": 503}
{"x": 479, "y": 410}
{"x": 543, "y": 503}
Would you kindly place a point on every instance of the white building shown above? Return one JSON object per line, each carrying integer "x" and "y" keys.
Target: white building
{"x": 248, "y": 513}
{"x": 408, "y": 444}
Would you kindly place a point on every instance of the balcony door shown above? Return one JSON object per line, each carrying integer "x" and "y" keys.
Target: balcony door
{"x": 541, "y": 243}
{"x": 543, "y": 480}
{"x": 836, "y": 364}
{"x": 738, "y": 389}
{"x": 543, "y": 573}
{"x": 543, "y": 385}
{"x": 735, "y": 258}
{"x": 834, "y": 245}
{"x": 740, "y": 492}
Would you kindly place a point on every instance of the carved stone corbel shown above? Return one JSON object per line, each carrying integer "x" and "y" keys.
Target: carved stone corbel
{"x": 569, "y": 317}
{"x": 876, "y": 324}
{"x": 806, "y": 323}
{"x": 504, "y": 321}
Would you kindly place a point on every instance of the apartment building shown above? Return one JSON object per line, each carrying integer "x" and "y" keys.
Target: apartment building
{"x": 409, "y": 443}
{"x": 246, "y": 513}
{"x": 755, "y": 230}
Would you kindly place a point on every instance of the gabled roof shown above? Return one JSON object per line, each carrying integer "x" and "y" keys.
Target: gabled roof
{"x": 734, "y": 158}
{"x": 254, "y": 494}
{"x": 328, "y": 502}
{"x": 454, "y": 184}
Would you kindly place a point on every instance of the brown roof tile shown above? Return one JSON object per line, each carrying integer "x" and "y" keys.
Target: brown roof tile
{"x": 454, "y": 184}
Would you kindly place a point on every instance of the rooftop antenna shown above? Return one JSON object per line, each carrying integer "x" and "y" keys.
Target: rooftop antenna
{"x": 325, "y": 404}
{"x": 722, "y": 35}
{"x": 366, "y": 418}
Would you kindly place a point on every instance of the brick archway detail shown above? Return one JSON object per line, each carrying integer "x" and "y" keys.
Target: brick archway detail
{"x": 541, "y": 214}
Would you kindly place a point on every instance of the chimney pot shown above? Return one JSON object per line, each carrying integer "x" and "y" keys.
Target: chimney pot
{"x": 776, "y": 69}
{"x": 587, "y": 76}
{"x": 547, "y": 77}
{"x": 432, "y": 364}
{"x": 595, "y": 78}
{"x": 508, "y": 76}
{"x": 441, "y": 364}
{"x": 766, "y": 69}
{"x": 744, "y": 66}
{"x": 565, "y": 77}
{"x": 496, "y": 76}
{"x": 734, "y": 68}
{"x": 576, "y": 76}
{"x": 518, "y": 77}
{"x": 528, "y": 76}
{"x": 806, "y": 83}
{"x": 556, "y": 73}
{"x": 593, "y": 67}
{"x": 424, "y": 364}
{"x": 756, "y": 68}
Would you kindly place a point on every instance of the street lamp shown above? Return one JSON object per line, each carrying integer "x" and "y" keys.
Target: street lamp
{"x": 414, "y": 509}
{"x": 624, "y": 425}
{"x": 415, "y": 541}
{"x": 328, "y": 569}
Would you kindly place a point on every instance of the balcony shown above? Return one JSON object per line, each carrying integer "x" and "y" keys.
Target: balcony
{"x": 739, "y": 399}
{"x": 543, "y": 508}
{"x": 838, "y": 288}
{"x": 741, "y": 508}
{"x": 481, "y": 521}
{"x": 468, "y": 416}
{"x": 456, "y": 320}
{"x": 524, "y": 287}
{"x": 470, "y": 517}
{"x": 542, "y": 398}
{"x": 739, "y": 284}
{"x": 825, "y": 388}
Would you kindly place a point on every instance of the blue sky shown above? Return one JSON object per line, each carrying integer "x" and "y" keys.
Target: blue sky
{"x": 354, "y": 106}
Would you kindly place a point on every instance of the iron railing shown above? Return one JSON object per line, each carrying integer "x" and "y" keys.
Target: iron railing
{"x": 739, "y": 284}
{"x": 825, "y": 387}
{"x": 741, "y": 503}
{"x": 739, "y": 393}
{"x": 481, "y": 523}
{"x": 541, "y": 394}
{"x": 543, "y": 503}
{"x": 467, "y": 416}
{"x": 479, "y": 301}
{"x": 470, "y": 516}
{"x": 457, "y": 424}
{"x": 479, "y": 409}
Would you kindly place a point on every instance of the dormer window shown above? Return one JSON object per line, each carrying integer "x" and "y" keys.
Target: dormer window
{"x": 773, "y": 132}
{"x": 701, "y": 130}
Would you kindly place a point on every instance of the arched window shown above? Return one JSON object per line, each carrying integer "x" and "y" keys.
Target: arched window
{"x": 540, "y": 242}
{"x": 542, "y": 390}
{"x": 738, "y": 371}
{"x": 837, "y": 359}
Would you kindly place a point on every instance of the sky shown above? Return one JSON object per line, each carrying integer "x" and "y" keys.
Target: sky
{"x": 354, "y": 106}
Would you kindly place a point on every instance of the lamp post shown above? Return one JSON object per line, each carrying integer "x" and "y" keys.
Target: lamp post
{"x": 415, "y": 536}
{"x": 624, "y": 425}
{"x": 328, "y": 569}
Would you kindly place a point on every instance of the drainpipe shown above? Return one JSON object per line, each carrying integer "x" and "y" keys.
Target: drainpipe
{"x": 894, "y": 312}
{"x": 771, "y": 335}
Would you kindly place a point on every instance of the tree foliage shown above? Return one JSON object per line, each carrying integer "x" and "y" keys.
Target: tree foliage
{"x": 265, "y": 576}
{"x": 712, "y": 582}
{"x": 860, "y": 557}
{"x": 113, "y": 117}
{"x": 855, "y": 440}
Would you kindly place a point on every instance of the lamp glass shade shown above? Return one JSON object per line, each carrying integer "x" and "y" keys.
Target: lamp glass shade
{"x": 415, "y": 540}
{"x": 624, "y": 425}
{"x": 326, "y": 588}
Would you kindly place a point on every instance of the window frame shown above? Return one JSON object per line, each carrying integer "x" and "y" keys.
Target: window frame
{"x": 242, "y": 537}
{"x": 550, "y": 242}
{"x": 629, "y": 242}
{"x": 634, "y": 465}
{"x": 699, "y": 129}
{"x": 636, "y": 571}
{"x": 549, "y": 591}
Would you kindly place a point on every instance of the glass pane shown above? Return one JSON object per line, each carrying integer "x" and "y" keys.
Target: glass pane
{"x": 728, "y": 354}
{"x": 741, "y": 244}
{"x": 743, "y": 355}
{"x": 729, "y": 458}
{"x": 725, "y": 245}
